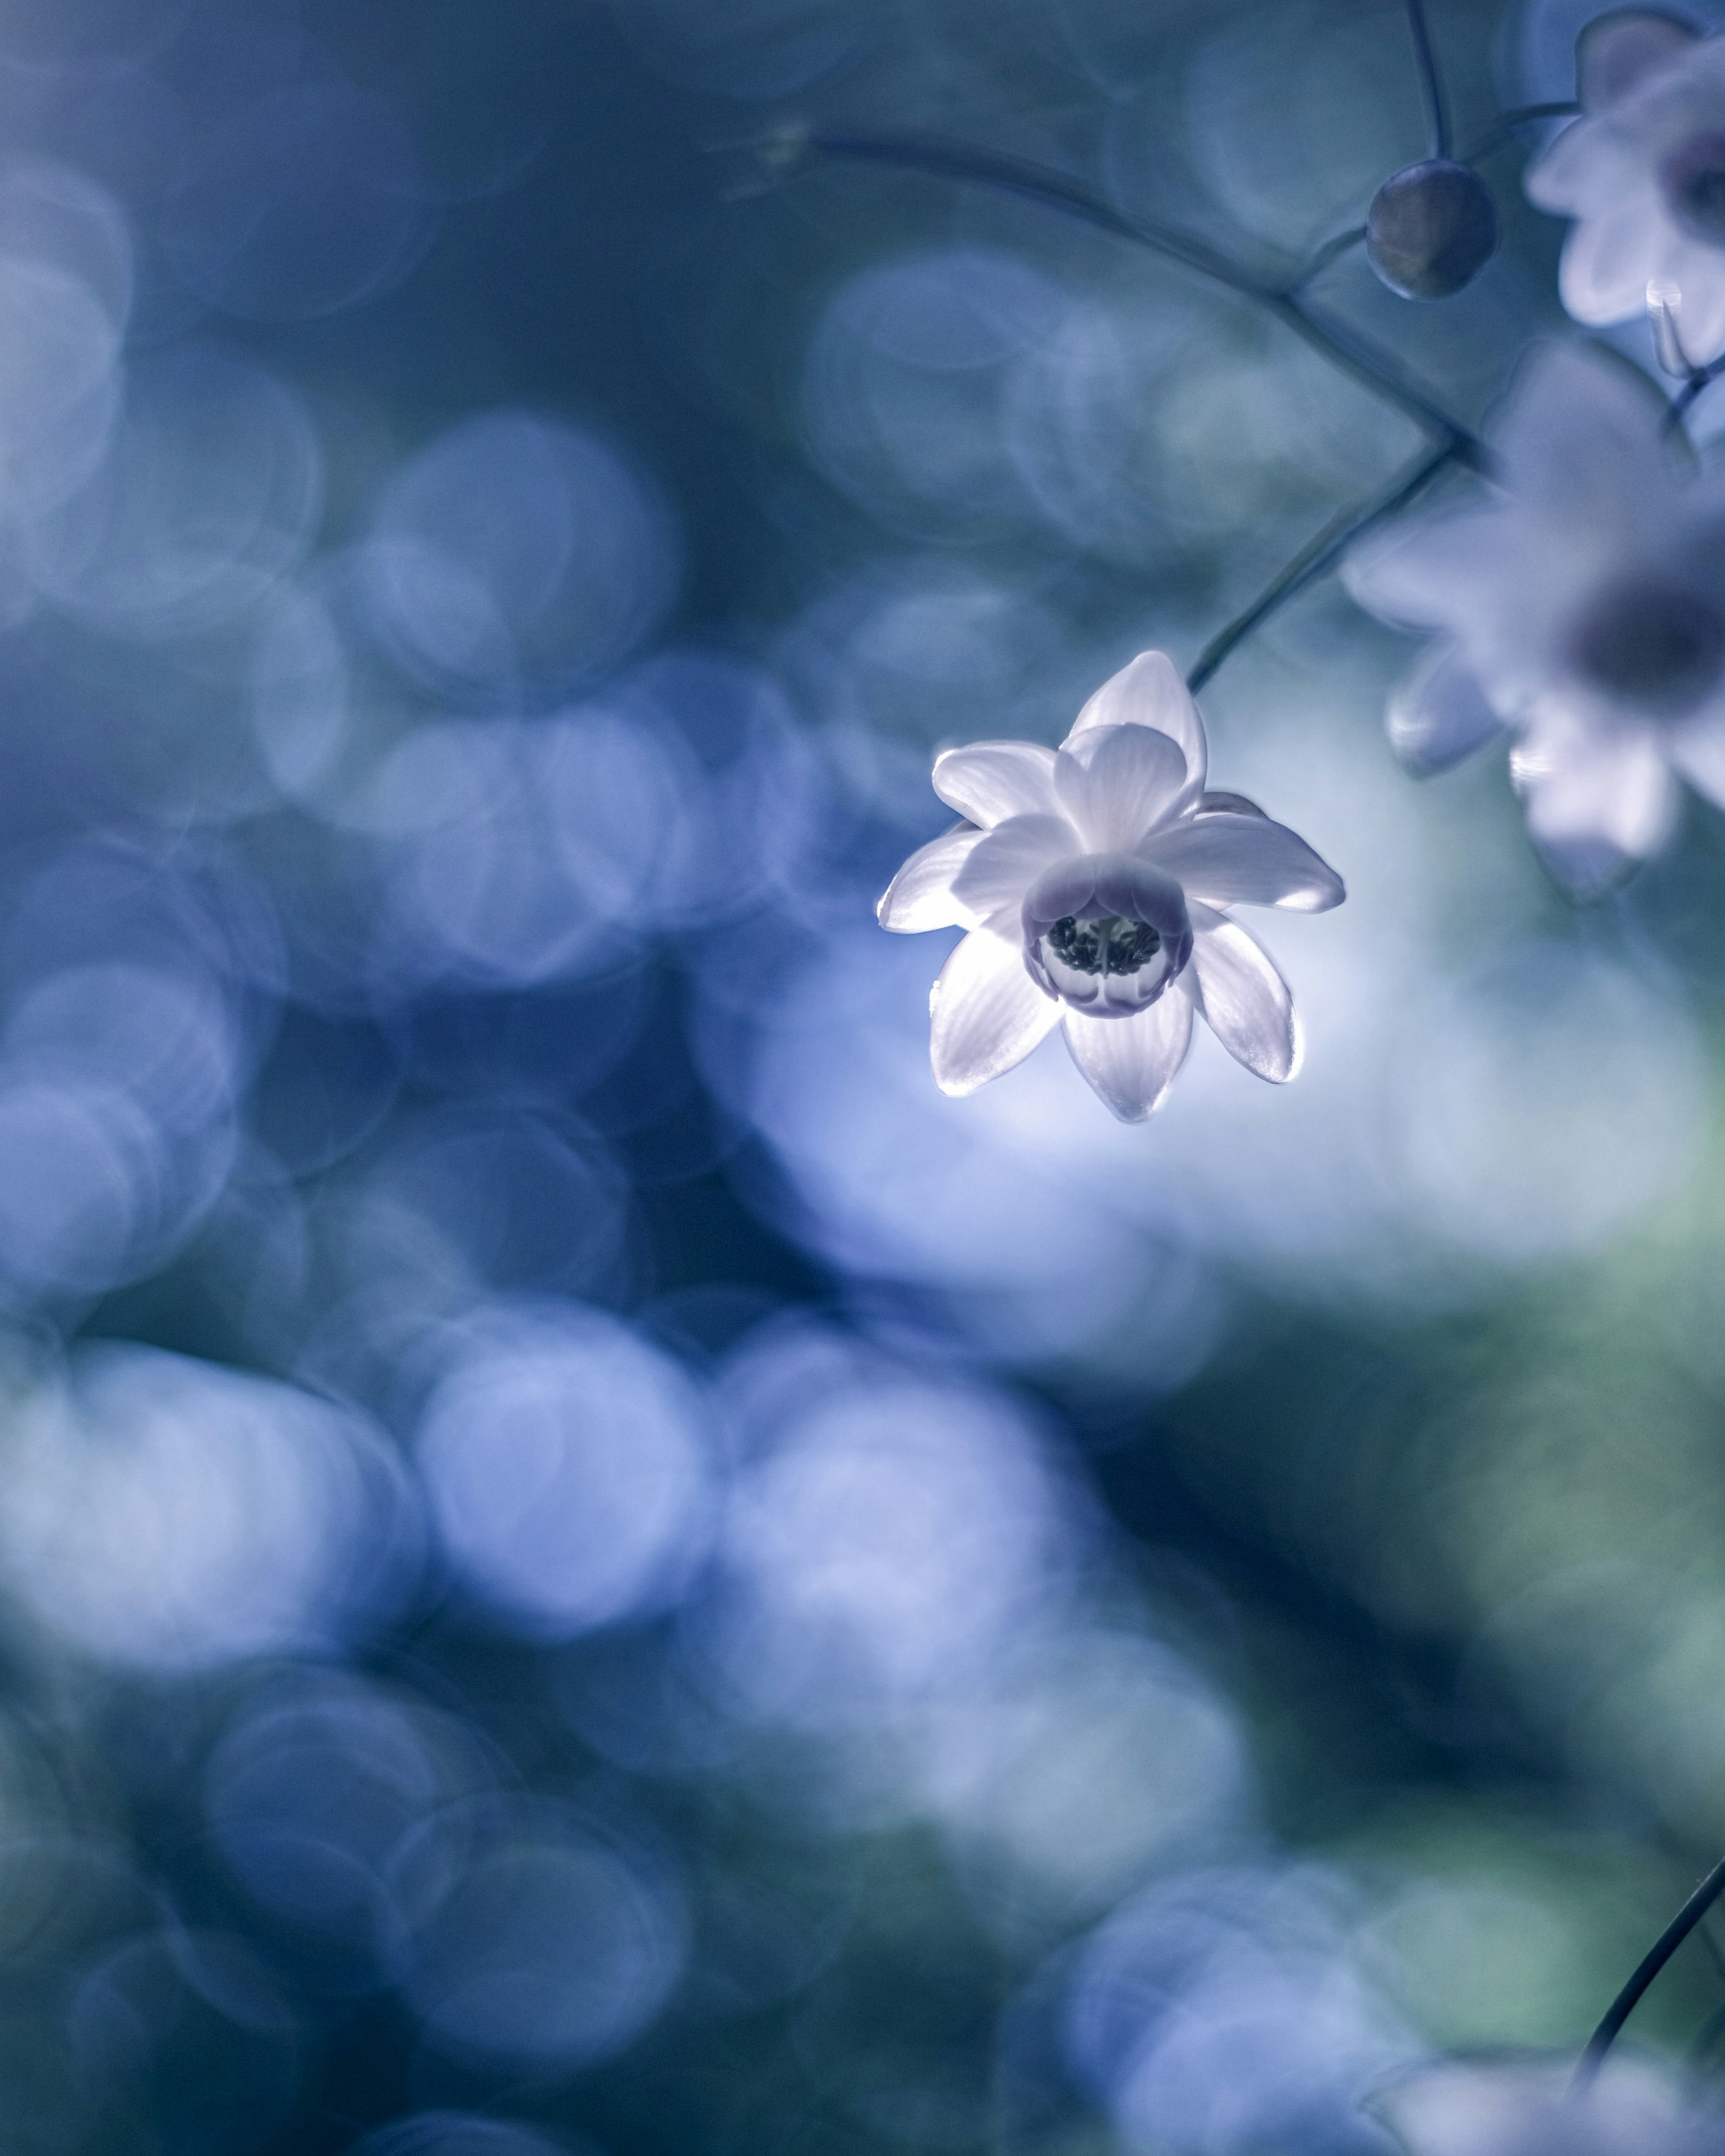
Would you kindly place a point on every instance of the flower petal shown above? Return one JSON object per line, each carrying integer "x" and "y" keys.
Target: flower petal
{"x": 1244, "y": 860}
{"x": 1117, "y": 783}
{"x": 922, "y": 895}
{"x": 1698, "y": 752}
{"x": 989, "y": 781}
{"x": 1439, "y": 714}
{"x": 1131, "y": 1062}
{"x": 1149, "y": 692}
{"x": 1581, "y": 437}
{"x": 1619, "y": 52}
{"x": 1248, "y": 1004}
{"x": 1009, "y": 860}
{"x": 1597, "y": 801}
{"x": 988, "y": 1012}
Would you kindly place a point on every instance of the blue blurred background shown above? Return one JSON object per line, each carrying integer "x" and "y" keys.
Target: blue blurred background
{"x": 587, "y": 1564}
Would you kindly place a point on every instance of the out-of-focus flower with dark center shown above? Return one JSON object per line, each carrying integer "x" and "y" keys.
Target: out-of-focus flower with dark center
{"x": 1642, "y": 172}
{"x": 1581, "y": 608}
{"x": 1092, "y": 879}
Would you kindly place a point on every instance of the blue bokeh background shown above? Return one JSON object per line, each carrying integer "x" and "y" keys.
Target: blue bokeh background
{"x": 585, "y": 1563}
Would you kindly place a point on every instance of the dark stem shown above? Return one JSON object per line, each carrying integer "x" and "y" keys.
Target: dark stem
{"x": 1519, "y": 116}
{"x": 1430, "y": 82}
{"x": 1315, "y": 558}
{"x": 1331, "y": 251}
{"x": 1678, "y": 407}
{"x": 1663, "y": 1948}
{"x": 1352, "y": 353}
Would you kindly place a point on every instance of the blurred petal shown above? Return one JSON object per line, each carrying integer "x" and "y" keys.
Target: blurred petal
{"x": 1247, "y": 1002}
{"x": 1581, "y": 437}
{"x": 1439, "y": 714}
{"x": 1607, "y": 260}
{"x": 1429, "y": 572}
{"x": 1118, "y": 783}
{"x": 921, "y": 896}
{"x": 1622, "y": 49}
{"x": 988, "y": 1012}
{"x": 1598, "y": 801}
{"x": 1698, "y": 752}
{"x": 1131, "y": 1062}
{"x": 989, "y": 781}
{"x": 1245, "y": 860}
{"x": 1009, "y": 859}
{"x": 1149, "y": 692}
{"x": 1503, "y": 2107}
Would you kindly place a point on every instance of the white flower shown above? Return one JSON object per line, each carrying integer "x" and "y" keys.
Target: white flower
{"x": 1583, "y": 608}
{"x": 1643, "y": 171}
{"x": 1524, "y": 2106}
{"x": 1092, "y": 879}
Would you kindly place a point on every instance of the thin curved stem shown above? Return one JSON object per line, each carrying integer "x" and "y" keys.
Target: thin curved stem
{"x": 1431, "y": 83}
{"x": 1657, "y": 1955}
{"x": 1331, "y": 251}
{"x": 1349, "y": 351}
{"x": 1313, "y": 559}
{"x": 1518, "y": 117}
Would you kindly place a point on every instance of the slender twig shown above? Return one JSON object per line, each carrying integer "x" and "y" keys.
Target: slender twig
{"x": 1315, "y": 558}
{"x": 1678, "y": 409}
{"x": 1331, "y": 251}
{"x": 1663, "y": 1948}
{"x": 1347, "y": 349}
{"x": 1431, "y": 83}
{"x": 1518, "y": 117}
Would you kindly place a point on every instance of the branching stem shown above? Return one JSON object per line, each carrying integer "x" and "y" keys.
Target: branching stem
{"x": 1349, "y": 351}
{"x": 1312, "y": 560}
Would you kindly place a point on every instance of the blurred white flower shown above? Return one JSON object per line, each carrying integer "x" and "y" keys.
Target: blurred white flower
{"x": 1643, "y": 172}
{"x": 1524, "y": 2105}
{"x": 1092, "y": 878}
{"x": 1583, "y": 608}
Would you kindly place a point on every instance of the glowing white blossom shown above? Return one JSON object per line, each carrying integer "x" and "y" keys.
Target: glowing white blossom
{"x": 1526, "y": 2105}
{"x": 1582, "y": 609}
{"x": 1093, "y": 880}
{"x": 1643, "y": 173}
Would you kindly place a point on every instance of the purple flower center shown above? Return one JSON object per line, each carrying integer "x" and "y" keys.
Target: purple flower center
{"x": 1693, "y": 178}
{"x": 1655, "y": 646}
{"x": 1106, "y": 934}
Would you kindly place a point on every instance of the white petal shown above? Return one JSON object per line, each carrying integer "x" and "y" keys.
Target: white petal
{"x": 1439, "y": 714}
{"x": 1244, "y": 860}
{"x": 1624, "y": 50}
{"x": 1598, "y": 799}
{"x": 1009, "y": 859}
{"x": 1581, "y": 439}
{"x": 1131, "y": 1062}
{"x": 1430, "y": 572}
{"x": 1247, "y": 1002}
{"x": 921, "y": 896}
{"x": 1118, "y": 783}
{"x": 1149, "y": 692}
{"x": 1698, "y": 752}
{"x": 1609, "y": 259}
{"x": 1494, "y": 2107}
{"x": 988, "y": 780}
{"x": 988, "y": 1012}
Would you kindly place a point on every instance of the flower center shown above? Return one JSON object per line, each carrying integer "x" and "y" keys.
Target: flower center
{"x": 1693, "y": 179}
{"x": 1105, "y": 933}
{"x": 1651, "y": 645}
{"x": 1109, "y": 944}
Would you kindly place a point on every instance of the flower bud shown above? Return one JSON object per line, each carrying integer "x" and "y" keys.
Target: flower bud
{"x": 1432, "y": 230}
